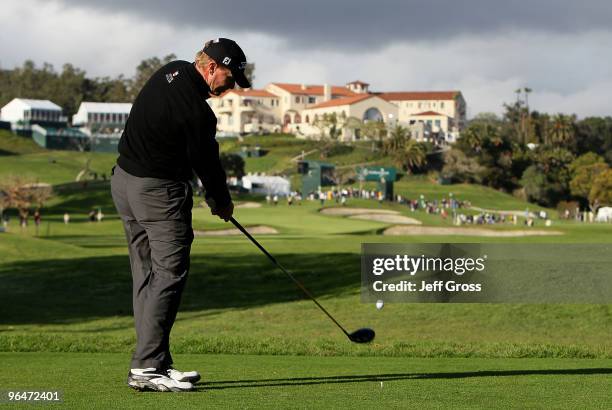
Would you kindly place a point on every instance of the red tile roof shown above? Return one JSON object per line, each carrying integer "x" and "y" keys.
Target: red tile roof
{"x": 430, "y": 113}
{"x": 313, "y": 89}
{"x": 342, "y": 101}
{"x": 419, "y": 95}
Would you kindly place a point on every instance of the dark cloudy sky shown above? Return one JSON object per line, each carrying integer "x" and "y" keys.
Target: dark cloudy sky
{"x": 485, "y": 48}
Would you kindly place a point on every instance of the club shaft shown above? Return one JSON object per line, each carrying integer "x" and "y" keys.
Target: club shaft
{"x": 297, "y": 282}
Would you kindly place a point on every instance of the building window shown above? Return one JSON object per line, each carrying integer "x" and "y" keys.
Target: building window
{"x": 429, "y": 122}
{"x": 442, "y": 105}
{"x": 297, "y": 100}
{"x": 437, "y": 122}
{"x": 311, "y": 100}
{"x": 307, "y": 119}
{"x": 420, "y": 104}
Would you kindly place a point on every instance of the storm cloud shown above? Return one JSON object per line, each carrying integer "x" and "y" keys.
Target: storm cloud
{"x": 486, "y": 49}
{"x": 373, "y": 24}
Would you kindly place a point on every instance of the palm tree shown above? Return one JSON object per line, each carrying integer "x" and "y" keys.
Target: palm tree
{"x": 527, "y": 91}
{"x": 562, "y": 130}
{"x": 412, "y": 156}
{"x": 396, "y": 141}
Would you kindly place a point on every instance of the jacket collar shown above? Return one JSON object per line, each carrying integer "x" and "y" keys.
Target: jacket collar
{"x": 198, "y": 81}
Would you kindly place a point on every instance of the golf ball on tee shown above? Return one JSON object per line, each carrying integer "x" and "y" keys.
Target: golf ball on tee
{"x": 379, "y": 304}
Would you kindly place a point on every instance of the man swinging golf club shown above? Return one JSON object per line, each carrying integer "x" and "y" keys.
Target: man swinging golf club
{"x": 169, "y": 134}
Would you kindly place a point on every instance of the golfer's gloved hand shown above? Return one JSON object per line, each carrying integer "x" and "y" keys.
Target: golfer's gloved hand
{"x": 224, "y": 213}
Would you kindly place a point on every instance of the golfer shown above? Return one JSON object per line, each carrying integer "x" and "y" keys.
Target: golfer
{"x": 170, "y": 133}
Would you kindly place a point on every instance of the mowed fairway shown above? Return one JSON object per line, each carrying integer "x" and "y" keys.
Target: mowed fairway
{"x": 273, "y": 382}
{"x": 65, "y": 316}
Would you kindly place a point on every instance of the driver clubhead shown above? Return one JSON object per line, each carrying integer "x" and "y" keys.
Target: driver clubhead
{"x": 364, "y": 335}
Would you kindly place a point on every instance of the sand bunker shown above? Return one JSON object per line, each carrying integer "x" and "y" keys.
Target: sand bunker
{"x": 355, "y": 211}
{"x": 394, "y": 219}
{"x": 431, "y": 230}
{"x": 501, "y": 212}
{"x": 254, "y": 230}
{"x": 248, "y": 205}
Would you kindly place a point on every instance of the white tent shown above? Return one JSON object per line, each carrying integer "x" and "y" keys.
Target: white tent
{"x": 604, "y": 214}
{"x": 98, "y": 113}
{"x": 268, "y": 185}
{"x": 23, "y": 109}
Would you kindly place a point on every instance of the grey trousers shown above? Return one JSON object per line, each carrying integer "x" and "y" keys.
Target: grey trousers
{"x": 156, "y": 215}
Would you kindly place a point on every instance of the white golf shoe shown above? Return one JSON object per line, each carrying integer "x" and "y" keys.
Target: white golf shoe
{"x": 156, "y": 380}
{"x": 191, "y": 377}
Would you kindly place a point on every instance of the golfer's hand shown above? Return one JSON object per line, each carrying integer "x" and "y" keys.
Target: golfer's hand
{"x": 224, "y": 213}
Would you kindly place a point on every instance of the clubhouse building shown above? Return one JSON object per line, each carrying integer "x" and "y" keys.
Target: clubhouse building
{"x": 300, "y": 109}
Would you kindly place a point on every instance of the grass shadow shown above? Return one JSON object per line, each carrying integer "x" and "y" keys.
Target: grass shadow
{"x": 80, "y": 289}
{"x": 306, "y": 381}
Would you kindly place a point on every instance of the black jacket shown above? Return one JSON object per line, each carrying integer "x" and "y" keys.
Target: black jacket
{"x": 171, "y": 130}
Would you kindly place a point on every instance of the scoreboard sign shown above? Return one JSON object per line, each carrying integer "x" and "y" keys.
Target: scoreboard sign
{"x": 376, "y": 174}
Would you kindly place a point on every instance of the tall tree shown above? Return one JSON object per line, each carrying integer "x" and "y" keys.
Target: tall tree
{"x": 563, "y": 130}
{"x": 601, "y": 191}
{"x": 584, "y": 170}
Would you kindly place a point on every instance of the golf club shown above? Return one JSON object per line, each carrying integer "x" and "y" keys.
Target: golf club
{"x": 364, "y": 335}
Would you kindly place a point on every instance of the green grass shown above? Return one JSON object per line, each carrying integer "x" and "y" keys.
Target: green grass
{"x": 244, "y": 305}
{"x": 66, "y": 310}
{"x": 11, "y": 144}
{"x": 98, "y": 381}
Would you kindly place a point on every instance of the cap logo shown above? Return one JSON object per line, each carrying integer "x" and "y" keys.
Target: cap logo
{"x": 227, "y": 60}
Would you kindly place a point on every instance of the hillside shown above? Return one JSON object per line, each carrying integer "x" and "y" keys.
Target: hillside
{"x": 23, "y": 157}
{"x": 11, "y": 144}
